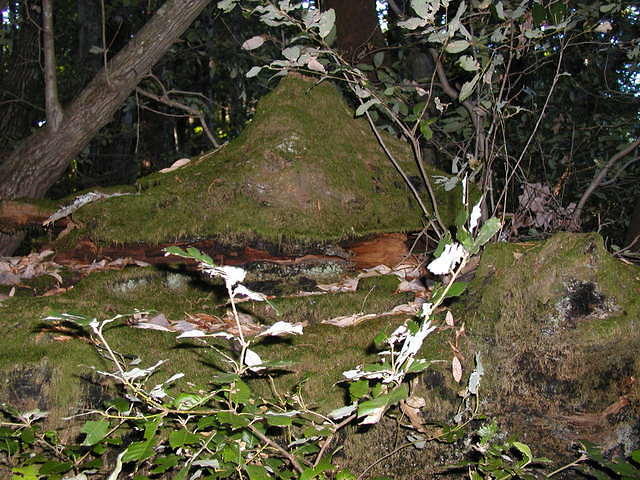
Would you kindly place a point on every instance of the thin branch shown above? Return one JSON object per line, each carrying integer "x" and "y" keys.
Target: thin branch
{"x": 475, "y": 112}
{"x": 273, "y": 444}
{"x": 599, "y": 178}
{"x": 556, "y": 77}
{"x": 181, "y": 106}
{"x": 620, "y": 170}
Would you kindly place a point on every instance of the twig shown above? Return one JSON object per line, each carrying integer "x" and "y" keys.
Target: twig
{"x": 329, "y": 439}
{"x": 598, "y": 179}
{"x": 273, "y": 444}
{"x": 181, "y": 106}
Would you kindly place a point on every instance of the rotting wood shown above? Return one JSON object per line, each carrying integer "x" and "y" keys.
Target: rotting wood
{"x": 386, "y": 249}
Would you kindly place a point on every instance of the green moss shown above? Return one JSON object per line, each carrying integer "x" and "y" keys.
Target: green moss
{"x": 303, "y": 169}
{"x": 557, "y": 325}
{"x": 26, "y": 341}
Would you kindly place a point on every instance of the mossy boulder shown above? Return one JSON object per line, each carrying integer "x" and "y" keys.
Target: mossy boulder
{"x": 557, "y": 326}
{"x": 304, "y": 169}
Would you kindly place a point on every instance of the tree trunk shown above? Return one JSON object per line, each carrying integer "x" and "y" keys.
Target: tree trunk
{"x": 42, "y": 158}
{"x": 357, "y": 28}
{"x": 634, "y": 228}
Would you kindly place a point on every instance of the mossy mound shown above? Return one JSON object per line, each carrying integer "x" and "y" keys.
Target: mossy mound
{"x": 556, "y": 324}
{"x": 50, "y": 368}
{"x": 303, "y": 169}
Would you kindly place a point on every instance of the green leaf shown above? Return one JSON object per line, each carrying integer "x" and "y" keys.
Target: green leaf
{"x": 225, "y": 378}
{"x": 240, "y": 392}
{"x": 457, "y": 289}
{"x": 444, "y": 241}
{"x": 345, "y": 475}
{"x": 539, "y": 14}
{"x": 557, "y": 12}
{"x": 625, "y": 469}
{"x": 387, "y": 400}
{"x": 27, "y": 435}
{"x": 30, "y": 472}
{"x": 182, "y": 474}
{"x": 231, "y": 453}
{"x": 279, "y": 420}
{"x": 635, "y": 456}
{"x": 232, "y": 419}
{"x": 461, "y": 217}
{"x": 524, "y": 450}
{"x": 120, "y": 404}
{"x": 380, "y": 339}
{"x": 468, "y": 87}
{"x": 138, "y": 451}
{"x": 378, "y": 59}
{"x": 257, "y": 472}
{"x": 178, "y": 438}
{"x": 419, "y": 365}
{"x": 365, "y": 106}
{"x": 488, "y": 230}
{"x": 165, "y": 463}
{"x": 96, "y": 430}
{"x": 358, "y": 389}
{"x": 185, "y": 401}
{"x": 55, "y": 467}
{"x": 426, "y": 131}
{"x": 457, "y": 46}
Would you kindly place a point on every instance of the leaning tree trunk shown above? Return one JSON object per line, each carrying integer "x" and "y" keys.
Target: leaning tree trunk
{"x": 42, "y": 158}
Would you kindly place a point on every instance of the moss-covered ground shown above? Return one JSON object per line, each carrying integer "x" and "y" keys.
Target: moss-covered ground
{"x": 28, "y": 344}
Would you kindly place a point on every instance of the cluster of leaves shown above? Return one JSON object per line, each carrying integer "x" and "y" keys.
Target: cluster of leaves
{"x": 594, "y": 464}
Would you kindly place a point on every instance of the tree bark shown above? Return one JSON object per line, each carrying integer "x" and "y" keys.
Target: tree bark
{"x": 357, "y": 29}
{"x": 52, "y": 103}
{"x": 42, "y": 158}
{"x": 633, "y": 231}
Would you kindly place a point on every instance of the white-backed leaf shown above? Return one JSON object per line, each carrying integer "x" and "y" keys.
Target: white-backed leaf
{"x": 327, "y": 20}
{"x": 468, "y": 63}
{"x": 292, "y": 53}
{"x": 253, "y": 72}
{"x": 227, "y": 5}
{"x": 412, "y": 23}
{"x": 456, "y": 369}
{"x": 468, "y": 87}
{"x": 315, "y": 65}
{"x": 365, "y": 106}
{"x": 253, "y": 43}
{"x": 457, "y": 46}
{"x": 282, "y": 328}
{"x": 448, "y": 319}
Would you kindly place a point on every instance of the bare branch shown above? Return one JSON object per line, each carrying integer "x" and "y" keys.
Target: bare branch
{"x": 181, "y": 106}
{"x": 599, "y": 178}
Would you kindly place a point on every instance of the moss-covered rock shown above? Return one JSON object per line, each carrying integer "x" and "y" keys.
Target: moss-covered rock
{"x": 556, "y": 324}
{"x": 304, "y": 170}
